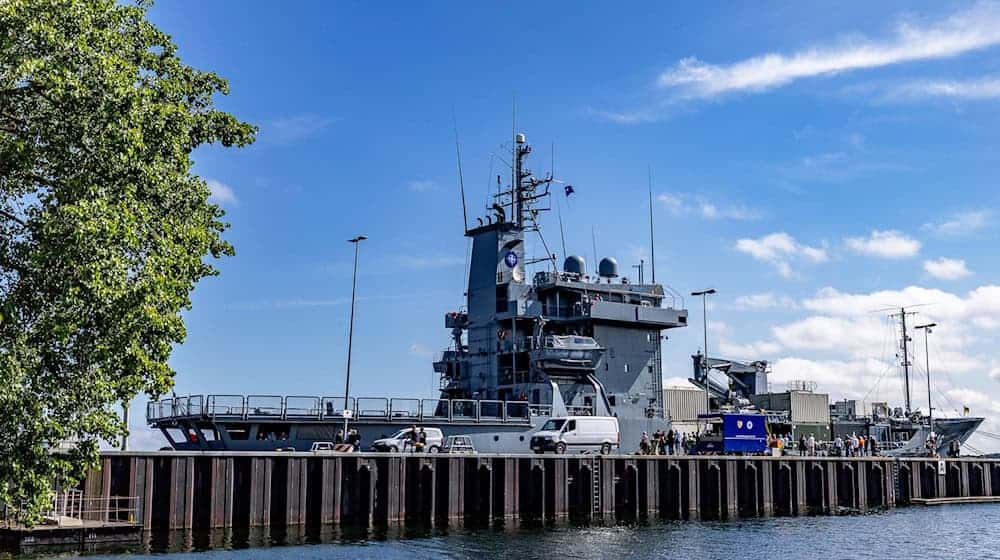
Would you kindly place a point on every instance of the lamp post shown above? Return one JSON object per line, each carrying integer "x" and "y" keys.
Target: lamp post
{"x": 350, "y": 331}
{"x": 927, "y": 360}
{"x": 704, "y": 320}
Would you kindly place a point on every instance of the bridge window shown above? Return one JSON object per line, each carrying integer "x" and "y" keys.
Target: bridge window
{"x": 238, "y": 431}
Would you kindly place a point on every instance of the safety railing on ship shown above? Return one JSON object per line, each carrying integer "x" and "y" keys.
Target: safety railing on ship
{"x": 302, "y": 407}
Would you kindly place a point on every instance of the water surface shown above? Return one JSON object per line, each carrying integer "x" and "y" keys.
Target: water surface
{"x": 961, "y": 531}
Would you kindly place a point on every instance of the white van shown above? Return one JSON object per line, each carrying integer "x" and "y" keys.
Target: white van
{"x": 577, "y": 433}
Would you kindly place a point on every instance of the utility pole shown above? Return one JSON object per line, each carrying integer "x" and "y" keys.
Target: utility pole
{"x": 350, "y": 331}
{"x": 704, "y": 320}
{"x": 927, "y": 360}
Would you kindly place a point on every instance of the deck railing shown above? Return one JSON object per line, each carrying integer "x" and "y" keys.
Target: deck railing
{"x": 302, "y": 407}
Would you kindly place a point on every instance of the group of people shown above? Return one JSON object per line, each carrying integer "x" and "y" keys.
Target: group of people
{"x": 854, "y": 446}
{"x": 416, "y": 439}
{"x": 352, "y": 442}
{"x": 667, "y": 443}
{"x": 808, "y": 445}
{"x": 931, "y": 446}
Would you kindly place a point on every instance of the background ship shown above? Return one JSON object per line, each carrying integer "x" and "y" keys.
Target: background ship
{"x": 899, "y": 431}
{"x": 567, "y": 342}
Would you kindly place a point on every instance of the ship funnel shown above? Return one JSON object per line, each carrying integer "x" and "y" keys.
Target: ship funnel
{"x": 575, "y": 265}
{"x": 608, "y": 268}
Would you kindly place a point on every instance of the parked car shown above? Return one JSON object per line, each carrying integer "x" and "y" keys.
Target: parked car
{"x": 577, "y": 434}
{"x": 458, "y": 444}
{"x": 402, "y": 442}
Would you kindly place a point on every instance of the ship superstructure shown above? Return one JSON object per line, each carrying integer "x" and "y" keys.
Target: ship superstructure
{"x": 579, "y": 343}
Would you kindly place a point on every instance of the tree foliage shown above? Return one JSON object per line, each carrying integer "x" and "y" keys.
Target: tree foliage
{"x": 104, "y": 228}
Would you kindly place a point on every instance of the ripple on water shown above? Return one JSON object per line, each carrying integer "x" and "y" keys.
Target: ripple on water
{"x": 961, "y": 531}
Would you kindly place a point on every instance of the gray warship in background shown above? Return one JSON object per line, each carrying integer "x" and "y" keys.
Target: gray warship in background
{"x": 564, "y": 342}
{"x": 899, "y": 431}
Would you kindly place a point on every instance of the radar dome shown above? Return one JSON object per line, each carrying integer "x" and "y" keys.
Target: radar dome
{"x": 575, "y": 265}
{"x": 608, "y": 268}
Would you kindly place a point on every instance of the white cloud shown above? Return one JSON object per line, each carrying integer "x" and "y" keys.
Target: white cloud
{"x": 981, "y": 88}
{"x": 751, "y": 351}
{"x": 947, "y": 269}
{"x": 221, "y": 193}
{"x": 960, "y": 223}
{"x": 858, "y": 336}
{"x": 779, "y": 249}
{"x": 889, "y": 244}
{"x": 680, "y": 204}
{"x": 973, "y": 29}
{"x": 831, "y": 301}
{"x": 144, "y": 438}
{"x": 848, "y": 378}
{"x": 293, "y": 128}
{"x": 420, "y": 186}
{"x": 678, "y": 382}
{"x": 766, "y": 300}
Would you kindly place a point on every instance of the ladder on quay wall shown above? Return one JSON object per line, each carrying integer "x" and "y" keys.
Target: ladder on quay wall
{"x": 596, "y": 490}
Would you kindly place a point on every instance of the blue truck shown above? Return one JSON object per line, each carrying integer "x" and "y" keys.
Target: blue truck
{"x": 733, "y": 433}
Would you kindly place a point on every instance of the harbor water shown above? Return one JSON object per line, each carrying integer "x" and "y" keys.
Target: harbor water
{"x": 959, "y": 531}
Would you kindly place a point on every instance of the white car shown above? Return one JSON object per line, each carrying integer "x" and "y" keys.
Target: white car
{"x": 576, "y": 434}
{"x": 402, "y": 442}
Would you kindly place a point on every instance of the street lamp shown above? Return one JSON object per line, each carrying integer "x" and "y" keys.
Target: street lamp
{"x": 704, "y": 320}
{"x": 927, "y": 360}
{"x": 350, "y": 331}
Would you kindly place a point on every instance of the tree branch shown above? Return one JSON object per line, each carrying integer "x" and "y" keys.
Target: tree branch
{"x": 10, "y": 216}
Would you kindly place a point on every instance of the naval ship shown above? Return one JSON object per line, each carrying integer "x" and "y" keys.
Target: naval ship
{"x": 899, "y": 431}
{"x": 567, "y": 341}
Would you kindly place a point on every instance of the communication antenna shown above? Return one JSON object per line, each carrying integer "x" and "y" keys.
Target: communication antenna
{"x": 515, "y": 181}
{"x": 593, "y": 243}
{"x": 652, "y": 247}
{"x": 461, "y": 179}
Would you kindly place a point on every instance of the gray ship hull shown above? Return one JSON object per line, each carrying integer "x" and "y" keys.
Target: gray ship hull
{"x": 487, "y": 437}
{"x": 948, "y": 430}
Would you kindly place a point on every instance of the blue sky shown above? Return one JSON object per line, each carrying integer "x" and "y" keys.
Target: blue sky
{"x": 812, "y": 165}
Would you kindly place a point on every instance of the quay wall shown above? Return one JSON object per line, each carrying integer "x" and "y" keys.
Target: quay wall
{"x": 205, "y": 490}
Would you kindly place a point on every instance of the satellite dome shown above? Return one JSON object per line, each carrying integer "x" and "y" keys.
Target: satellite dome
{"x": 575, "y": 265}
{"x": 608, "y": 268}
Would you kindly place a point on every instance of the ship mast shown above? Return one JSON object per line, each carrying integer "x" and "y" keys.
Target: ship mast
{"x": 906, "y": 355}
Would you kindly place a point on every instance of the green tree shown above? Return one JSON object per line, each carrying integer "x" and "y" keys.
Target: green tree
{"x": 104, "y": 229}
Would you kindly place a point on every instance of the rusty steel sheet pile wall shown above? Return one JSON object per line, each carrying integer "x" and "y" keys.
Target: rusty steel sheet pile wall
{"x": 220, "y": 490}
